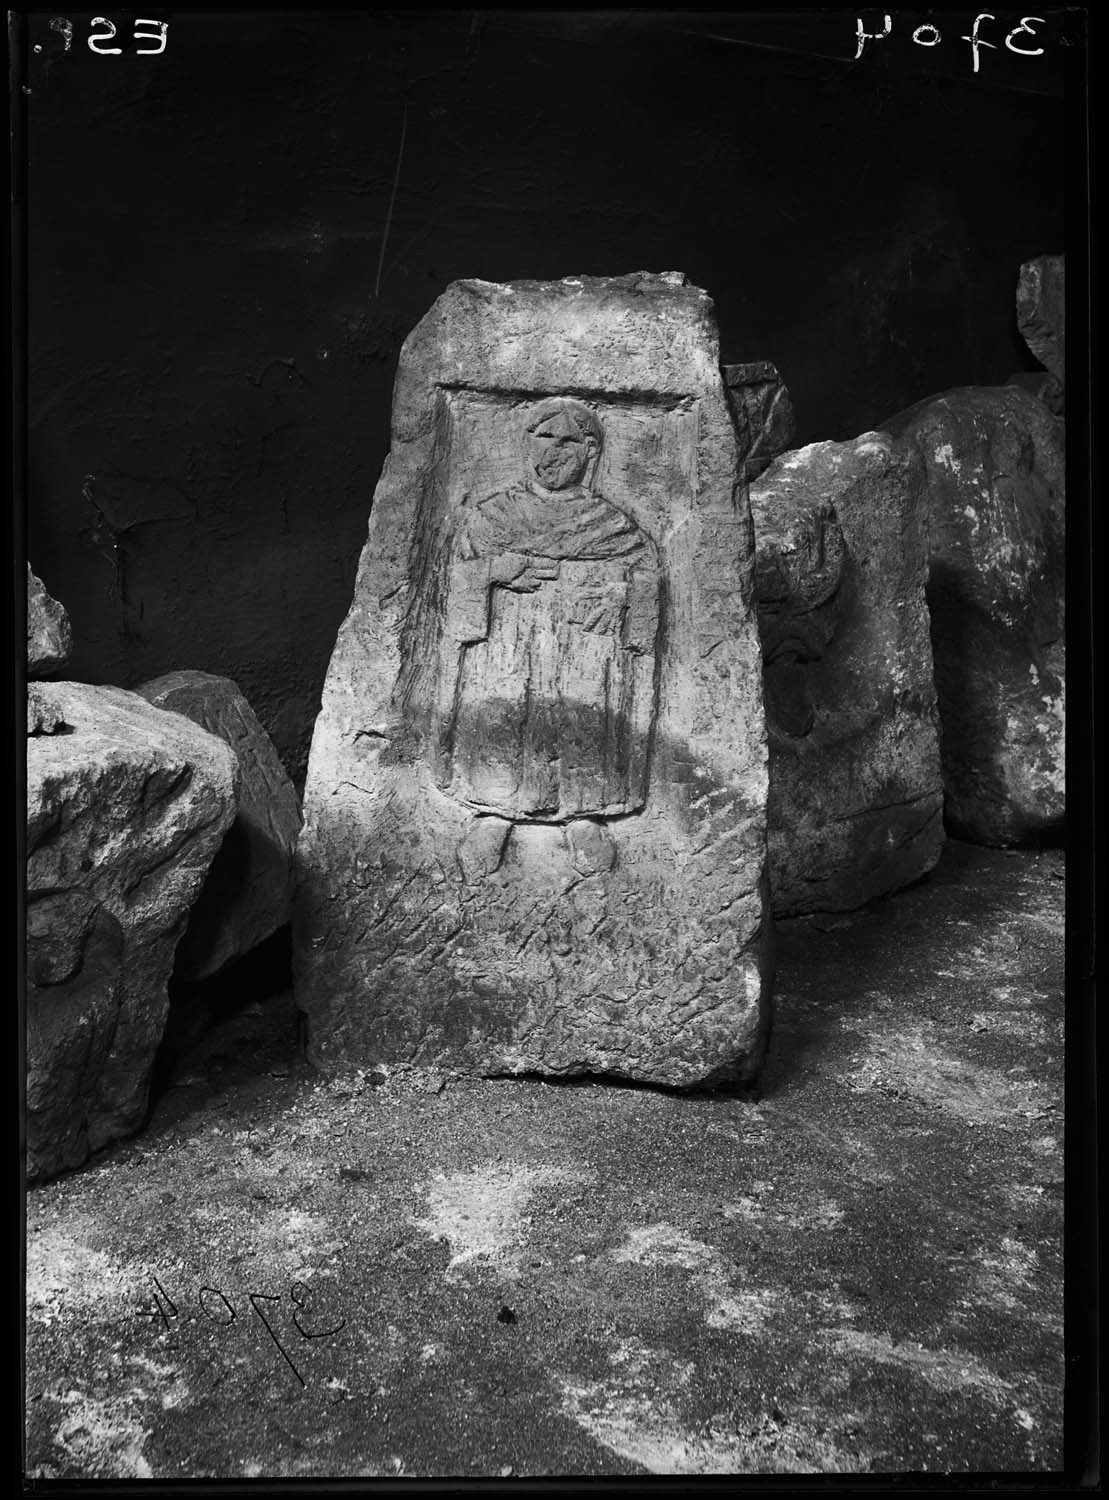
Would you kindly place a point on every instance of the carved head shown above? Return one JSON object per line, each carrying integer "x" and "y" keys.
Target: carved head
{"x": 563, "y": 442}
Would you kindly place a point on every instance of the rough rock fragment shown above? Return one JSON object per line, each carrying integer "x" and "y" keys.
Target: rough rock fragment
{"x": 1044, "y": 386}
{"x": 534, "y": 831}
{"x": 124, "y": 813}
{"x": 763, "y": 412}
{"x": 855, "y": 786}
{"x": 49, "y": 634}
{"x": 43, "y": 713}
{"x": 249, "y": 890}
{"x": 994, "y": 457}
{"x": 1041, "y": 311}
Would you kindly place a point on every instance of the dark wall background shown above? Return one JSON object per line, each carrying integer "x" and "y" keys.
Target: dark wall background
{"x": 227, "y": 244}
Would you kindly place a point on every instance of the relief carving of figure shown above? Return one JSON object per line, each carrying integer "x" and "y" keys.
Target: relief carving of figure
{"x": 545, "y": 687}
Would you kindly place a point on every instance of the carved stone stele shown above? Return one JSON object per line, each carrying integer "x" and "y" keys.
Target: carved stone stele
{"x": 856, "y": 791}
{"x": 995, "y": 511}
{"x": 535, "y": 811}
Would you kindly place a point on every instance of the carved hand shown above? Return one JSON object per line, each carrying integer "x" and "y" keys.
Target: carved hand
{"x": 518, "y": 570}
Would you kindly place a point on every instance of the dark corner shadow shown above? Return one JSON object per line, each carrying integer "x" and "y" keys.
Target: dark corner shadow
{"x": 197, "y": 1008}
{"x": 247, "y": 856}
{"x": 750, "y": 1091}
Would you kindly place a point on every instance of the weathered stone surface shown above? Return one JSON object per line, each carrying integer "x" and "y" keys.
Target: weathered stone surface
{"x": 126, "y": 806}
{"x": 43, "y": 713}
{"x": 996, "y": 521}
{"x": 856, "y": 793}
{"x": 1044, "y": 386}
{"x": 49, "y": 634}
{"x": 534, "y": 830}
{"x": 1041, "y": 311}
{"x": 763, "y": 413}
{"x": 248, "y": 894}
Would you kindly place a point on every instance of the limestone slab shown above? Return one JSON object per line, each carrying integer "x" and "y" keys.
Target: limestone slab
{"x": 126, "y": 807}
{"x": 534, "y": 833}
{"x": 996, "y": 501}
{"x": 856, "y": 791}
{"x": 248, "y": 893}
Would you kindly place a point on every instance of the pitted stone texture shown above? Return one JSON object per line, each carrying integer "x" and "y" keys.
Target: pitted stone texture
{"x": 763, "y": 413}
{"x": 1044, "y": 386}
{"x": 534, "y": 832}
{"x": 1041, "y": 311}
{"x": 994, "y": 457}
{"x": 856, "y": 792}
{"x": 248, "y": 894}
{"x": 126, "y": 807}
{"x": 49, "y": 634}
{"x": 44, "y": 716}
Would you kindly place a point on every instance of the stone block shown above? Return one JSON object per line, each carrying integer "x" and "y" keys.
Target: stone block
{"x": 49, "y": 634}
{"x": 249, "y": 890}
{"x": 1044, "y": 386}
{"x": 996, "y": 498}
{"x": 763, "y": 413}
{"x": 126, "y": 807}
{"x": 856, "y": 792}
{"x": 534, "y": 835}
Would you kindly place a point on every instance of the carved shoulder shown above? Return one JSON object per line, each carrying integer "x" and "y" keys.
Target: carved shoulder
{"x": 496, "y": 524}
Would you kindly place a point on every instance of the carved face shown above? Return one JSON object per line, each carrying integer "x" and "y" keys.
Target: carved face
{"x": 559, "y": 453}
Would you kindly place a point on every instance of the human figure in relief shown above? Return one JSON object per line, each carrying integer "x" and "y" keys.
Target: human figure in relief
{"x": 545, "y": 689}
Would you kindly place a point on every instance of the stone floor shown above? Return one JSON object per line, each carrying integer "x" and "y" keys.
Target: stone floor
{"x": 423, "y": 1275}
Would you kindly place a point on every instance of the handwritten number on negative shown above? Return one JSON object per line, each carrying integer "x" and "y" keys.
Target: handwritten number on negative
{"x": 325, "y": 1333}
{"x": 158, "y": 1310}
{"x": 255, "y": 1298}
{"x": 215, "y": 1305}
{"x": 207, "y": 1311}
